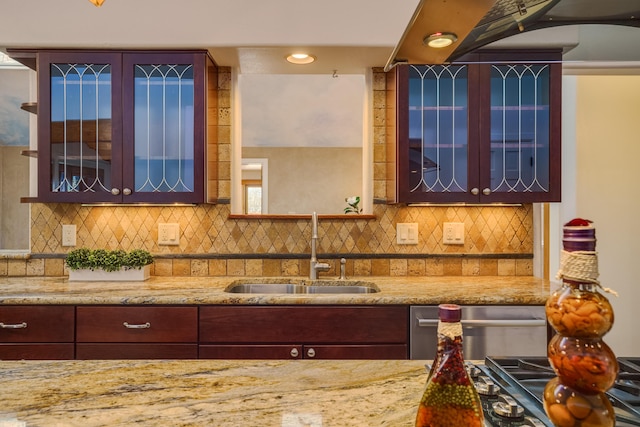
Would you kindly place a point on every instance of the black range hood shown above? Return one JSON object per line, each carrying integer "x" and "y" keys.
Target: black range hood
{"x": 478, "y": 23}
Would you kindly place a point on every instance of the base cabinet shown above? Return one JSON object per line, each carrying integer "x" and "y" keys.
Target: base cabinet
{"x": 312, "y": 351}
{"x": 137, "y": 332}
{"x": 37, "y": 332}
{"x": 297, "y": 332}
{"x": 206, "y": 332}
{"x": 136, "y": 351}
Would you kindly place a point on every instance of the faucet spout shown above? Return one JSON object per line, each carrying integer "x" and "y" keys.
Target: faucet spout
{"x": 315, "y": 266}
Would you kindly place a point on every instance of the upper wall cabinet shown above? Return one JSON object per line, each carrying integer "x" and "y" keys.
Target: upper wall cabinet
{"x": 483, "y": 131}
{"x": 122, "y": 127}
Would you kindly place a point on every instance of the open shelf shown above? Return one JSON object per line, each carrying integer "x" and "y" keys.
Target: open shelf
{"x": 30, "y": 153}
{"x": 31, "y": 107}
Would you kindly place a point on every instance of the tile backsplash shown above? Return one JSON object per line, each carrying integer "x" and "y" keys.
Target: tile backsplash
{"x": 498, "y": 240}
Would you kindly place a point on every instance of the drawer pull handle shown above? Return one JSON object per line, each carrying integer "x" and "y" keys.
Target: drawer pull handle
{"x": 15, "y": 326}
{"x": 141, "y": 326}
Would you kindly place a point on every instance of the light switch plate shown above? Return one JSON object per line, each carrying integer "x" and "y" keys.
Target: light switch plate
{"x": 453, "y": 233}
{"x": 407, "y": 233}
{"x": 169, "y": 234}
{"x": 68, "y": 235}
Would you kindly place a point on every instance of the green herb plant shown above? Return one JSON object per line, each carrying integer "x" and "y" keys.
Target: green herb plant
{"x": 101, "y": 259}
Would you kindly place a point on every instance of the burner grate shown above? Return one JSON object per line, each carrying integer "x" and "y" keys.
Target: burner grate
{"x": 531, "y": 375}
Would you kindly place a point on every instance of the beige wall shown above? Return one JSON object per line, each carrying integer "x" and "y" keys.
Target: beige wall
{"x": 304, "y": 180}
{"x": 14, "y": 183}
{"x": 606, "y": 176}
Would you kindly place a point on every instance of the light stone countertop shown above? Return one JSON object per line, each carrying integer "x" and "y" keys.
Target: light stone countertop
{"x": 211, "y": 393}
{"x": 422, "y": 290}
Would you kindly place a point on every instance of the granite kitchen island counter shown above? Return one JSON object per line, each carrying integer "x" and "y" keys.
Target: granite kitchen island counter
{"x": 419, "y": 290}
{"x": 211, "y": 393}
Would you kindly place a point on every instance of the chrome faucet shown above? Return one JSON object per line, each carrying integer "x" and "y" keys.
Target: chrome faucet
{"x": 315, "y": 266}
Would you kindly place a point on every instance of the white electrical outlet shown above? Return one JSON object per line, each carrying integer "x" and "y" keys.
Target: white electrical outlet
{"x": 68, "y": 235}
{"x": 453, "y": 233}
{"x": 407, "y": 233}
{"x": 169, "y": 234}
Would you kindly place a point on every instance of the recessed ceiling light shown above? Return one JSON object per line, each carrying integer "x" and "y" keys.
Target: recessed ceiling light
{"x": 440, "y": 40}
{"x": 301, "y": 58}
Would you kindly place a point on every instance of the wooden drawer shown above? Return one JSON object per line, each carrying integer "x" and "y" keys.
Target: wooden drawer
{"x": 52, "y": 351}
{"x": 136, "y": 351}
{"x": 356, "y": 351}
{"x": 304, "y": 324}
{"x": 272, "y": 351}
{"x": 47, "y": 323}
{"x": 137, "y": 324}
{"x": 315, "y": 351}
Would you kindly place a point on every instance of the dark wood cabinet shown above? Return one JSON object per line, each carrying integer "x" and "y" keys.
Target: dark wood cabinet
{"x": 482, "y": 130}
{"x": 37, "y": 332}
{"x": 206, "y": 332}
{"x": 322, "y": 332}
{"x": 122, "y": 126}
{"x": 112, "y": 332}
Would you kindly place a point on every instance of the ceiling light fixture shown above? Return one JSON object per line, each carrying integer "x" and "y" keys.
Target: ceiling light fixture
{"x": 440, "y": 40}
{"x": 301, "y": 58}
{"x": 97, "y": 3}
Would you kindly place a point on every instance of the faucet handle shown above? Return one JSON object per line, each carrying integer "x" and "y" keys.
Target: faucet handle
{"x": 343, "y": 269}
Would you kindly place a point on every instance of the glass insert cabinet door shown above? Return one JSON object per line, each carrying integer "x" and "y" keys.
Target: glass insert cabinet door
{"x": 478, "y": 132}
{"x": 520, "y": 129}
{"x": 166, "y": 156}
{"x": 121, "y": 128}
{"x": 434, "y": 134}
{"x": 79, "y": 126}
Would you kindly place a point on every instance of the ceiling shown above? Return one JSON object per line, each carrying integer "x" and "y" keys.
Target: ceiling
{"x": 254, "y": 37}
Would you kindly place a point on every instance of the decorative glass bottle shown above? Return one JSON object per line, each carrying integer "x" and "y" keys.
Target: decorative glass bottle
{"x": 584, "y": 364}
{"x": 450, "y": 397}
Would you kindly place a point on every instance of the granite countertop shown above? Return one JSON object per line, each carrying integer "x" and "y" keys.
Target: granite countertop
{"x": 485, "y": 290}
{"x": 211, "y": 393}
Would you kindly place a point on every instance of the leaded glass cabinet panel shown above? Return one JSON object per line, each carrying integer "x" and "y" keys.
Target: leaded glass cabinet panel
{"x": 482, "y": 131}
{"x": 79, "y": 126}
{"x": 121, "y": 127}
{"x": 166, "y": 157}
{"x": 522, "y": 144}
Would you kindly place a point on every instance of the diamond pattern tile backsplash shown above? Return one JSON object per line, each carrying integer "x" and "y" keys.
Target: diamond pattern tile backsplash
{"x": 206, "y": 229}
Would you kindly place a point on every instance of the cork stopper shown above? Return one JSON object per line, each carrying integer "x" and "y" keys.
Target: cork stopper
{"x": 449, "y": 313}
{"x": 579, "y": 235}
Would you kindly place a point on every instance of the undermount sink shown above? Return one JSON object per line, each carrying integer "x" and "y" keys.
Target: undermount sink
{"x": 303, "y": 287}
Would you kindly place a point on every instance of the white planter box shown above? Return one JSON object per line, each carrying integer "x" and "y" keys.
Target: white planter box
{"x": 130, "y": 275}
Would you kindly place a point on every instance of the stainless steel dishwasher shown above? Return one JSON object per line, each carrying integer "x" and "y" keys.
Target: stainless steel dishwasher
{"x": 488, "y": 330}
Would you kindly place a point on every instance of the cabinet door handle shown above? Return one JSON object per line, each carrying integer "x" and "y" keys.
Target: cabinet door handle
{"x": 115, "y": 191}
{"x": 126, "y": 191}
{"x": 475, "y": 191}
{"x": 294, "y": 352}
{"x": 486, "y": 191}
{"x": 13, "y": 326}
{"x": 140, "y": 326}
{"x": 311, "y": 353}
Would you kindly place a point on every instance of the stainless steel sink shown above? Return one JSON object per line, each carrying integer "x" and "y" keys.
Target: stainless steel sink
{"x": 304, "y": 287}
{"x": 338, "y": 289}
{"x": 265, "y": 288}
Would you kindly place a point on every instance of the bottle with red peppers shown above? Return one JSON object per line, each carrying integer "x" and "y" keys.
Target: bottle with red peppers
{"x": 450, "y": 397}
{"x": 585, "y": 366}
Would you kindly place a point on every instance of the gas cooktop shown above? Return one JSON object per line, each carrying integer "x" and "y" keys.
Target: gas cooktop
{"x": 517, "y": 385}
